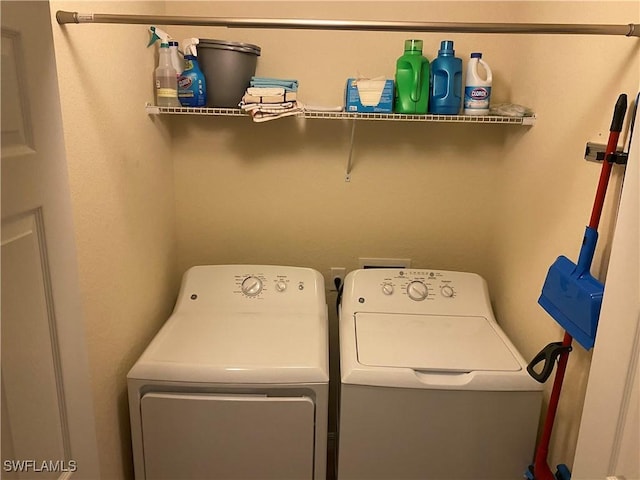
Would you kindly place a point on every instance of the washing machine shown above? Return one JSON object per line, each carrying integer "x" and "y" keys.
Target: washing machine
{"x": 235, "y": 384}
{"x": 431, "y": 387}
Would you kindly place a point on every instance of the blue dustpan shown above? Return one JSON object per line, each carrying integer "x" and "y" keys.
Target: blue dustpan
{"x": 572, "y": 296}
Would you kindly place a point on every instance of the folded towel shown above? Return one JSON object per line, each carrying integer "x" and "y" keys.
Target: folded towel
{"x": 289, "y": 85}
{"x": 255, "y": 78}
{"x": 261, "y": 112}
{"x": 264, "y": 91}
{"x": 280, "y": 98}
{"x": 259, "y": 116}
{"x": 268, "y": 108}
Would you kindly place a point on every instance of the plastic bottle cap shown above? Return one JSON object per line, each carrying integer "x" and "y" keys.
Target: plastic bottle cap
{"x": 413, "y": 46}
{"x": 476, "y": 55}
{"x": 446, "y": 48}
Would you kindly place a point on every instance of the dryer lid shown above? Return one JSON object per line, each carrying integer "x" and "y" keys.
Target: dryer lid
{"x": 431, "y": 343}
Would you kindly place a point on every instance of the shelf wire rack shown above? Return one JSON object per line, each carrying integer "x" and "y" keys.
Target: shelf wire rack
{"x": 329, "y": 115}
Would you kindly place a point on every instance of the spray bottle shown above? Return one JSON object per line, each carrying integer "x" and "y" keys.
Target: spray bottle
{"x": 164, "y": 37}
{"x": 166, "y": 87}
{"x": 192, "y": 89}
{"x": 166, "y": 80}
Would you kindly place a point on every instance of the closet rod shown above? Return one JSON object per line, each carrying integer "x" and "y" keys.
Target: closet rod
{"x": 629, "y": 30}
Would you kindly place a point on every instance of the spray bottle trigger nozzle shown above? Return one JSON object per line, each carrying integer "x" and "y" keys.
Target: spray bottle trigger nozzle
{"x": 189, "y": 45}
{"x": 157, "y": 34}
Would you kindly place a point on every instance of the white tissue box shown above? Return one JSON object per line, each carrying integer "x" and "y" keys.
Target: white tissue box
{"x": 369, "y": 96}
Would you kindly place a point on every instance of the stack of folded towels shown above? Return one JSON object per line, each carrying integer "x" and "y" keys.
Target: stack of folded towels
{"x": 270, "y": 98}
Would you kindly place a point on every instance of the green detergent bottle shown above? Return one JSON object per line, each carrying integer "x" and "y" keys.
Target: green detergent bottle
{"x": 412, "y": 80}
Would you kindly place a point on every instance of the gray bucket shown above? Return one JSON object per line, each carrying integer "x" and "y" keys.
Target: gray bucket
{"x": 228, "y": 68}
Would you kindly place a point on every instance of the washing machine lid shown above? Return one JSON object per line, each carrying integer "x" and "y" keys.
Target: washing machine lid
{"x": 431, "y": 343}
{"x": 238, "y": 348}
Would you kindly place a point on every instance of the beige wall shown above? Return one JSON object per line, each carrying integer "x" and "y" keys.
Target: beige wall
{"x": 121, "y": 180}
{"x": 548, "y": 190}
{"x": 502, "y": 201}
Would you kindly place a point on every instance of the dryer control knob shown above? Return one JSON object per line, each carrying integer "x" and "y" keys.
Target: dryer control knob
{"x": 387, "y": 288}
{"x": 281, "y": 286}
{"x": 251, "y": 286}
{"x": 417, "y": 290}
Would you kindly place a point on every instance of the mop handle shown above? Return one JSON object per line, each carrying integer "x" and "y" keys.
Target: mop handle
{"x": 540, "y": 466}
{"x": 605, "y": 173}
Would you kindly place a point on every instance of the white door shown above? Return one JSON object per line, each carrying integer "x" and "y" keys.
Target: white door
{"x": 47, "y": 416}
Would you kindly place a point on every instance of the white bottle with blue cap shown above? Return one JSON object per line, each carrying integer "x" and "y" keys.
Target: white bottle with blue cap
{"x": 477, "y": 90}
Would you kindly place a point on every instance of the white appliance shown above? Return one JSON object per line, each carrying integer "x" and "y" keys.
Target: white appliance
{"x": 431, "y": 386}
{"x": 235, "y": 384}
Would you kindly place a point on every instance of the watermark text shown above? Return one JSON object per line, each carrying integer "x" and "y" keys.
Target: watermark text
{"x": 39, "y": 466}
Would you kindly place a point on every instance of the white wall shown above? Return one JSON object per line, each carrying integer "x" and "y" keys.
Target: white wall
{"x": 502, "y": 201}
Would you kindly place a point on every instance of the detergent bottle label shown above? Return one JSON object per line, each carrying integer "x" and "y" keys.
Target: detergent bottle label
{"x": 477, "y": 97}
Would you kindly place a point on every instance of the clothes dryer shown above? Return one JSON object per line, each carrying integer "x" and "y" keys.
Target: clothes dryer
{"x": 431, "y": 386}
{"x": 235, "y": 384}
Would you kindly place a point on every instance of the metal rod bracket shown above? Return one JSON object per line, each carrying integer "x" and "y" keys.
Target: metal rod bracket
{"x": 595, "y": 152}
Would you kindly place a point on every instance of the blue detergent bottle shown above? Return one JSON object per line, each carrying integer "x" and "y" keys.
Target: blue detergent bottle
{"x": 445, "y": 93}
{"x": 192, "y": 86}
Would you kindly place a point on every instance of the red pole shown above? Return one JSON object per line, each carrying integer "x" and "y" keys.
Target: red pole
{"x": 541, "y": 469}
{"x": 605, "y": 173}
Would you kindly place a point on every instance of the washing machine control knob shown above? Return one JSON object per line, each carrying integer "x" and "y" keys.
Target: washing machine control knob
{"x": 447, "y": 291}
{"x": 417, "y": 290}
{"x": 251, "y": 286}
{"x": 281, "y": 286}
{"x": 387, "y": 288}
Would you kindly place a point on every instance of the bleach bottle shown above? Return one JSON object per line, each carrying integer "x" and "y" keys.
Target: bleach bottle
{"x": 445, "y": 94}
{"x": 477, "y": 91}
{"x": 192, "y": 87}
{"x": 412, "y": 80}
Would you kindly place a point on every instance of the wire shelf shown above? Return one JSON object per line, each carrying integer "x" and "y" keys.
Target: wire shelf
{"x": 397, "y": 117}
{"x": 225, "y": 112}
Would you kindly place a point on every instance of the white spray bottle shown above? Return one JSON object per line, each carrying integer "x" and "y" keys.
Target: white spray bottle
{"x": 192, "y": 89}
{"x": 166, "y": 80}
{"x": 174, "y": 52}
